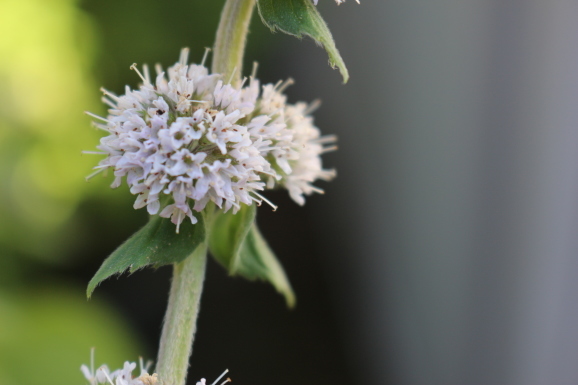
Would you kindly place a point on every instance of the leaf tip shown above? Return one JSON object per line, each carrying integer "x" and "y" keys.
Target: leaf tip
{"x": 90, "y": 289}
{"x": 344, "y": 74}
{"x": 336, "y": 61}
{"x": 290, "y": 299}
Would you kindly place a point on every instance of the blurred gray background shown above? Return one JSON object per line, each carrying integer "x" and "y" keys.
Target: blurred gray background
{"x": 457, "y": 190}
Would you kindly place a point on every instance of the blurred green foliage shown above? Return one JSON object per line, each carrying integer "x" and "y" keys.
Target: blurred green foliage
{"x": 54, "y": 56}
{"x": 45, "y": 84}
{"x": 46, "y": 53}
{"x": 46, "y": 334}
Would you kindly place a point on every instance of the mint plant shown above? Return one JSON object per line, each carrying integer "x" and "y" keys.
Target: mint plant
{"x": 199, "y": 149}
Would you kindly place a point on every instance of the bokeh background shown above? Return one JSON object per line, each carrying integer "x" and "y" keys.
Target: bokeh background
{"x": 445, "y": 253}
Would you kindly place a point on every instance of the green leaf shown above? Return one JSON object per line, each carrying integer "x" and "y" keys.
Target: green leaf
{"x": 156, "y": 244}
{"x": 257, "y": 261}
{"x": 237, "y": 244}
{"x": 228, "y": 232}
{"x": 298, "y": 18}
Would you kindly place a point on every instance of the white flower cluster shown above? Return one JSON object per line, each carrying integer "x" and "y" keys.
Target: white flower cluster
{"x": 190, "y": 137}
{"x": 119, "y": 377}
{"x": 124, "y": 376}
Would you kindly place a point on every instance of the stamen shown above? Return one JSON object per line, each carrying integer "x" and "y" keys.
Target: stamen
{"x": 234, "y": 204}
{"x": 101, "y": 127}
{"x": 94, "y": 174}
{"x": 221, "y": 376}
{"x": 232, "y": 75}
{"x": 327, "y": 174}
{"x": 108, "y": 102}
{"x": 134, "y": 68}
{"x": 313, "y": 106}
{"x": 325, "y": 139}
{"x": 317, "y": 190}
{"x": 328, "y": 149}
{"x": 96, "y": 116}
{"x": 106, "y": 375}
{"x": 254, "y": 71}
{"x": 95, "y": 152}
{"x": 158, "y": 69}
{"x": 266, "y": 200}
{"x": 179, "y": 220}
{"x": 92, "y": 361}
{"x": 268, "y": 173}
{"x": 109, "y": 94}
{"x": 227, "y": 380}
{"x": 104, "y": 167}
{"x": 286, "y": 84}
{"x": 207, "y": 50}
{"x": 184, "y": 56}
{"x": 145, "y": 69}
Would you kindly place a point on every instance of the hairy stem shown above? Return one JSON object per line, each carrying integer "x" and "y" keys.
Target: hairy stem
{"x": 231, "y": 39}
{"x": 181, "y": 318}
{"x": 188, "y": 276}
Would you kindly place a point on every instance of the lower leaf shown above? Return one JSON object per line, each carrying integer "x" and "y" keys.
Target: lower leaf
{"x": 236, "y": 243}
{"x": 257, "y": 261}
{"x": 155, "y": 244}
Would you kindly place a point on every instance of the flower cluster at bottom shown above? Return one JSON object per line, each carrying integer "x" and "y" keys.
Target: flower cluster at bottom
{"x": 189, "y": 137}
{"x": 124, "y": 376}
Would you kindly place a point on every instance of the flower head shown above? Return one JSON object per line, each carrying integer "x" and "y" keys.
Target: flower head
{"x": 187, "y": 138}
{"x": 119, "y": 377}
{"x": 124, "y": 376}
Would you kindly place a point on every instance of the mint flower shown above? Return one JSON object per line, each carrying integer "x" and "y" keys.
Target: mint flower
{"x": 119, "y": 377}
{"x": 297, "y": 143}
{"x": 308, "y": 145}
{"x": 189, "y": 137}
{"x": 124, "y": 376}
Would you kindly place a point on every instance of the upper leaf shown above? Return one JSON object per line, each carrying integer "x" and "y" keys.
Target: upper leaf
{"x": 155, "y": 244}
{"x": 298, "y": 18}
{"x": 227, "y": 234}
{"x": 236, "y": 243}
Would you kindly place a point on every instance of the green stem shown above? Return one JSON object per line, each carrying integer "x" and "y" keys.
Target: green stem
{"x": 187, "y": 284}
{"x": 181, "y": 318}
{"x": 231, "y": 39}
